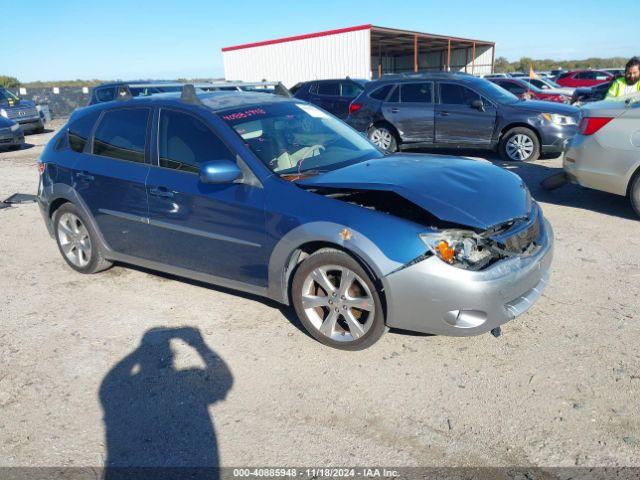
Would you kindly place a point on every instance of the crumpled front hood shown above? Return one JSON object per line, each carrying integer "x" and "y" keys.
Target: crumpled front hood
{"x": 458, "y": 190}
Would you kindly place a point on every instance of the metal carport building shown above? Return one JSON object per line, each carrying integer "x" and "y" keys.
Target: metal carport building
{"x": 364, "y": 51}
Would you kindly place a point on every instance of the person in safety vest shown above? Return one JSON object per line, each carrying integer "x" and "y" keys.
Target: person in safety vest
{"x": 627, "y": 85}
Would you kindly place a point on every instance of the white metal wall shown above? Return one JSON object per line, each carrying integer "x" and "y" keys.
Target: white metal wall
{"x": 331, "y": 56}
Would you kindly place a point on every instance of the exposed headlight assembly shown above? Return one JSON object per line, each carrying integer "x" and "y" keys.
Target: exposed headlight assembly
{"x": 460, "y": 248}
{"x": 558, "y": 119}
{"x": 4, "y": 113}
{"x": 15, "y": 127}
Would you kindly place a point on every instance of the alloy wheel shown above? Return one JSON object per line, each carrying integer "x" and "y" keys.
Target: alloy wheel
{"x": 519, "y": 147}
{"x": 74, "y": 239}
{"x": 338, "y": 303}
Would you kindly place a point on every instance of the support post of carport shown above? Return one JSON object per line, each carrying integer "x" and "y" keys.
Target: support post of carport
{"x": 473, "y": 59}
{"x": 449, "y": 56}
{"x": 415, "y": 53}
{"x": 493, "y": 58}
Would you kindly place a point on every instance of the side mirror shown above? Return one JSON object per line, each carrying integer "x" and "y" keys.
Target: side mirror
{"x": 478, "y": 105}
{"x": 219, "y": 171}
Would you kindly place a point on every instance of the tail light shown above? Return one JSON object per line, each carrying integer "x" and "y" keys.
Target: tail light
{"x": 354, "y": 107}
{"x": 590, "y": 125}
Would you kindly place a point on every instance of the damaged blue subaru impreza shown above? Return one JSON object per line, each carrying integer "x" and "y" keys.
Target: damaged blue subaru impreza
{"x": 276, "y": 197}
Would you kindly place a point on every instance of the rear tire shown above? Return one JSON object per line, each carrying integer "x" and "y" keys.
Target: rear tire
{"x": 634, "y": 194}
{"x": 337, "y": 302}
{"x": 519, "y": 144}
{"x": 77, "y": 240}
{"x": 383, "y": 137}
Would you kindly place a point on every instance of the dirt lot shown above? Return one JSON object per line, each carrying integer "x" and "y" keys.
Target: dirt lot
{"x": 92, "y": 367}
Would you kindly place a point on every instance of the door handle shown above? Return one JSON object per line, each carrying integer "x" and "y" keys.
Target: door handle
{"x": 84, "y": 176}
{"x": 444, "y": 114}
{"x": 161, "y": 192}
{"x": 395, "y": 110}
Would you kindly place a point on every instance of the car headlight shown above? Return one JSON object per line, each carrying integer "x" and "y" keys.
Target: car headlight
{"x": 4, "y": 113}
{"x": 460, "y": 248}
{"x": 558, "y": 119}
{"x": 15, "y": 127}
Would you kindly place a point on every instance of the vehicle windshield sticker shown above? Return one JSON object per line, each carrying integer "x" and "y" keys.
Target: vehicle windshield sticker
{"x": 244, "y": 114}
{"x": 311, "y": 110}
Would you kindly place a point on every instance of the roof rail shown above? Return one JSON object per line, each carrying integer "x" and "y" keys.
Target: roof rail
{"x": 189, "y": 95}
{"x": 278, "y": 87}
{"x": 123, "y": 93}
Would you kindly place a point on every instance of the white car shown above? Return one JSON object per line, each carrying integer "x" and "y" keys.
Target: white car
{"x": 549, "y": 86}
{"x": 605, "y": 154}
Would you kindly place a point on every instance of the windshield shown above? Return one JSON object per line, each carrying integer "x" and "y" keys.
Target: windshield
{"x": 496, "y": 93}
{"x": 7, "y": 96}
{"x": 292, "y": 138}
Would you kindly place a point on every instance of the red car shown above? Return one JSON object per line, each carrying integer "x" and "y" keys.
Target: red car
{"x": 522, "y": 89}
{"x": 583, "y": 78}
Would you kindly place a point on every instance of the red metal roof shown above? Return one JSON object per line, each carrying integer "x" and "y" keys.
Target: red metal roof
{"x": 299, "y": 37}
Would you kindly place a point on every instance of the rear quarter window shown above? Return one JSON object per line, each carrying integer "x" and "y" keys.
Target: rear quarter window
{"x": 79, "y": 130}
{"x": 381, "y": 93}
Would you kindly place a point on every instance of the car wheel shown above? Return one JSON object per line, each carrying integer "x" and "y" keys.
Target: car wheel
{"x": 520, "y": 144}
{"x": 77, "y": 241}
{"x": 383, "y": 138}
{"x": 337, "y": 302}
{"x": 634, "y": 194}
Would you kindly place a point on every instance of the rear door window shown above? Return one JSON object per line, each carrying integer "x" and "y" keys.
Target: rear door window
{"x": 79, "y": 131}
{"x": 395, "y": 95}
{"x": 416, "y": 92}
{"x": 585, "y": 76}
{"x": 454, "y": 94}
{"x": 329, "y": 88}
{"x": 186, "y": 142}
{"x": 122, "y": 134}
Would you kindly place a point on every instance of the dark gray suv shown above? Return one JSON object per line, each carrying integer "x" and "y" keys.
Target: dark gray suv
{"x": 448, "y": 110}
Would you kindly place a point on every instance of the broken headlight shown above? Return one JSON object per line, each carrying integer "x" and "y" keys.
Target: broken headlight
{"x": 460, "y": 248}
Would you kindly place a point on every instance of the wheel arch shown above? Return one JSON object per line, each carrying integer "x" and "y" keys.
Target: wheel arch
{"x": 381, "y": 122}
{"x": 306, "y": 239}
{"x": 526, "y": 125}
{"x": 632, "y": 178}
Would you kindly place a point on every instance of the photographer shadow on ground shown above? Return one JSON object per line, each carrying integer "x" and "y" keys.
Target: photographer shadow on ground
{"x": 156, "y": 414}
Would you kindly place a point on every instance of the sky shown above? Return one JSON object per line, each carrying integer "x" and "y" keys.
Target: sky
{"x": 166, "y": 39}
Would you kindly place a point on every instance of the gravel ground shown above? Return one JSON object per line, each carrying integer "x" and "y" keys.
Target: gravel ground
{"x": 112, "y": 367}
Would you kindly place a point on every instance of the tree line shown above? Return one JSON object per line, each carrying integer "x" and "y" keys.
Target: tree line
{"x": 502, "y": 65}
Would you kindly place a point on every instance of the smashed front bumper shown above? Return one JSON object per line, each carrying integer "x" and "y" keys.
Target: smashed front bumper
{"x": 433, "y": 297}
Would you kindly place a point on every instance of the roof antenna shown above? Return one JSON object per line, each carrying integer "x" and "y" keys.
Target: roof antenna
{"x": 189, "y": 95}
{"x": 123, "y": 93}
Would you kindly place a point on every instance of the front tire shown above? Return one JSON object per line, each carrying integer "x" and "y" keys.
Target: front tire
{"x": 520, "y": 144}
{"x": 77, "y": 241}
{"x": 337, "y": 302}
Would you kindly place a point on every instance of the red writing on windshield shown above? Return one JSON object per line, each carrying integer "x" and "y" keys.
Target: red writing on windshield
{"x": 244, "y": 114}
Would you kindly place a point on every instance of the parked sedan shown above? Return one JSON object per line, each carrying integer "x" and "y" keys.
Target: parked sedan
{"x": 274, "y": 196}
{"x": 605, "y": 154}
{"x": 11, "y": 136}
{"x": 24, "y": 112}
{"x": 332, "y": 95}
{"x": 583, "y": 78}
{"x": 525, "y": 90}
{"x": 446, "y": 110}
